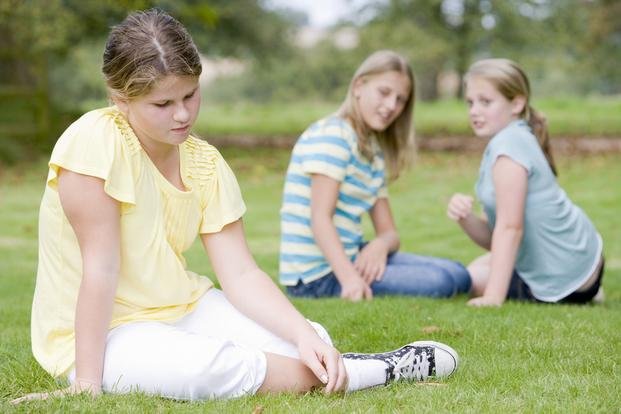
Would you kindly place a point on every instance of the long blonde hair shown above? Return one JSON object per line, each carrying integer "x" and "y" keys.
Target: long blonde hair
{"x": 145, "y": 47}
{"x": 511, "y": 81}
{"x": 396, "y": 141}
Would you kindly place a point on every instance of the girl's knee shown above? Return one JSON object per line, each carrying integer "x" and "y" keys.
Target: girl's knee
{"x": 439, "y": 284}
{"x": 459, "y": 275}
{"x": 322, "y": 332}
{"x": 446, "y": 285}
{"x": 453, "y": 280}
{"x": 463, "y": 280}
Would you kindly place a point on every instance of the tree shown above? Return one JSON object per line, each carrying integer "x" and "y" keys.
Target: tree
{"x": 38, "y": 36}
{"x": 450, "y": 34}
{"x": 601, "y": 50}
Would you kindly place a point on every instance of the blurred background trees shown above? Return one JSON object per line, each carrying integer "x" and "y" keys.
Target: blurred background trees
{"x": 50, "y": 55}
{"x": 50, "y": 51}
{"x": 571, "y": 46}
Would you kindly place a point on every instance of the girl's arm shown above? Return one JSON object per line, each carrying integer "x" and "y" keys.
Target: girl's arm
{"x": 324, "y": 195}
{"x": 460, "y": 210}
{"x": 94, "y": 217}
{"x": 510, "y": 185}
{"x": 371, "y": 262}
{"x": 254, "y": 294}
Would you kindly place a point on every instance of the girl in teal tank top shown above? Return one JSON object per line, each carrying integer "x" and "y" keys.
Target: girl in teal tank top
{"x": 541, "y": 246}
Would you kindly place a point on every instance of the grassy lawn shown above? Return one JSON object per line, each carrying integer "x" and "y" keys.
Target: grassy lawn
{"x": 519, "y": 358}
{"x": 568, "y": 117}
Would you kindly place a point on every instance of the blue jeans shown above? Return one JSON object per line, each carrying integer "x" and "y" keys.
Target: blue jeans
{"x": 406, "y": 274}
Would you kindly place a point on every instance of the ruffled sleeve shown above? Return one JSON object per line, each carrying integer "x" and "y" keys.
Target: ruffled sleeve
{"x": 97, "y": 145}
{"x": 222, "y": 201}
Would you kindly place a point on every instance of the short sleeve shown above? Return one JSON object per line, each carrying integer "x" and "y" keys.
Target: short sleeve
{"x": 513, "y": 142}
{"x": 325, "y": 149}
{"x": 94, "y": 145}
{"x": 383, "y": 191}
{"x": 224, "y": 202}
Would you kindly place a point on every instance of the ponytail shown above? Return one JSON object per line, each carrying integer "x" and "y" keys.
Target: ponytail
{"x": 539, "y": 125}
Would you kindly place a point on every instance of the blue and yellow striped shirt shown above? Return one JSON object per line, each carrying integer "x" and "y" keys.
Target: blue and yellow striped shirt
{"x": 328, "y": 147}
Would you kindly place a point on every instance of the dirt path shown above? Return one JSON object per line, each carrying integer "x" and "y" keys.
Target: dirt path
{"x": 559, "y": 145}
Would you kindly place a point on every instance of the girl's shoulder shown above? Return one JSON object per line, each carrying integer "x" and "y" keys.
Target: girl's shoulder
{"x": 517, "y": 142}
{"x": 100, "y": 144}
{"x": 203, "y": 161}
{"x": 101, "y": 117}
{"x": 104, "y": 125}
{"x": 98, "y": 132}
{"x": 332, "y": 127}
{"x": 517, "y": 134}
{"x": 200, "y": 152}
{"x": 200, "y": 147}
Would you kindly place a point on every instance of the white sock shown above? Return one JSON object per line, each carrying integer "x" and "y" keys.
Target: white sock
{"x": 364, "y": 373}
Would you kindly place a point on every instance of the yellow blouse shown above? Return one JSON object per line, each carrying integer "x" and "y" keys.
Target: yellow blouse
{"x": 158, "y": 223}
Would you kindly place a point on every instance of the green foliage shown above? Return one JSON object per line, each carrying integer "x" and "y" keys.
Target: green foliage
{"x": 452, "y": 34}
{"x": 519, "y": 358}
{"x": 322, "y": 73}
{"x": 601, "y": 49}
{"x": 50, "y": 53}
{"x": 79, "y": 84}
{"x": 218, "y": 26}
{"x": 425, "y": 51}
{"x": 439, "y": 36}
{"x": 240, "y": 28}
{"x": 55, "y": 26}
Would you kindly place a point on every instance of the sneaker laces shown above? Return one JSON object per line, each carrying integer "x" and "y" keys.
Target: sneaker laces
{"x": 411, "y": 366}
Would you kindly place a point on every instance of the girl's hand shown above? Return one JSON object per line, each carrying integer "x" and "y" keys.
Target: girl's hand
{"x": 485, "y": 301}
{"x": 355, "y": 289}
{"x": 371, "y": 261}
{"x": 325, "y": 362}
{"x": 77, "y": 388}
{"x": 459, "y": 207}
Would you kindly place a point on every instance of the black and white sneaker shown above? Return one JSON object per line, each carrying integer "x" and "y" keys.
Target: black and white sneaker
{"x": 418, "y": 361}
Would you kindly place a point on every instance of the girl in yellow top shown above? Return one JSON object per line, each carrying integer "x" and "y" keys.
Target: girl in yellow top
{"x": 128, "y": 191}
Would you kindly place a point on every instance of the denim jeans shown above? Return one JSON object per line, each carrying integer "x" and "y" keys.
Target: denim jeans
{"x": 406, "y": 274}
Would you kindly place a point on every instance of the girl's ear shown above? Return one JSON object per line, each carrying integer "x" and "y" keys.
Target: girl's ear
{"x": 357, "y": 86}
{"x": 121, "y": 104}
{"x": 518, "y": 104}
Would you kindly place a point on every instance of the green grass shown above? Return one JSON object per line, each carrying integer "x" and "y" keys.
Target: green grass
{"x": 519, "y": 358}
{"x": 568, "y": 117}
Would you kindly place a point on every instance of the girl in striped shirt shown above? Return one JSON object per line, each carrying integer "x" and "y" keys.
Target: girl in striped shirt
{"x": 338, "y": 171}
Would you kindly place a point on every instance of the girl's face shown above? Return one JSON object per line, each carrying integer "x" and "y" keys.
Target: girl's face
{"x": 164, "y": 116}
{"x": 489, "y": 110}
{"x": 381, "y": 98}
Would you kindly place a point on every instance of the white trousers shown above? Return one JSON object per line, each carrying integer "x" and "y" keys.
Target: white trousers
{"x": 213, "y": 352}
